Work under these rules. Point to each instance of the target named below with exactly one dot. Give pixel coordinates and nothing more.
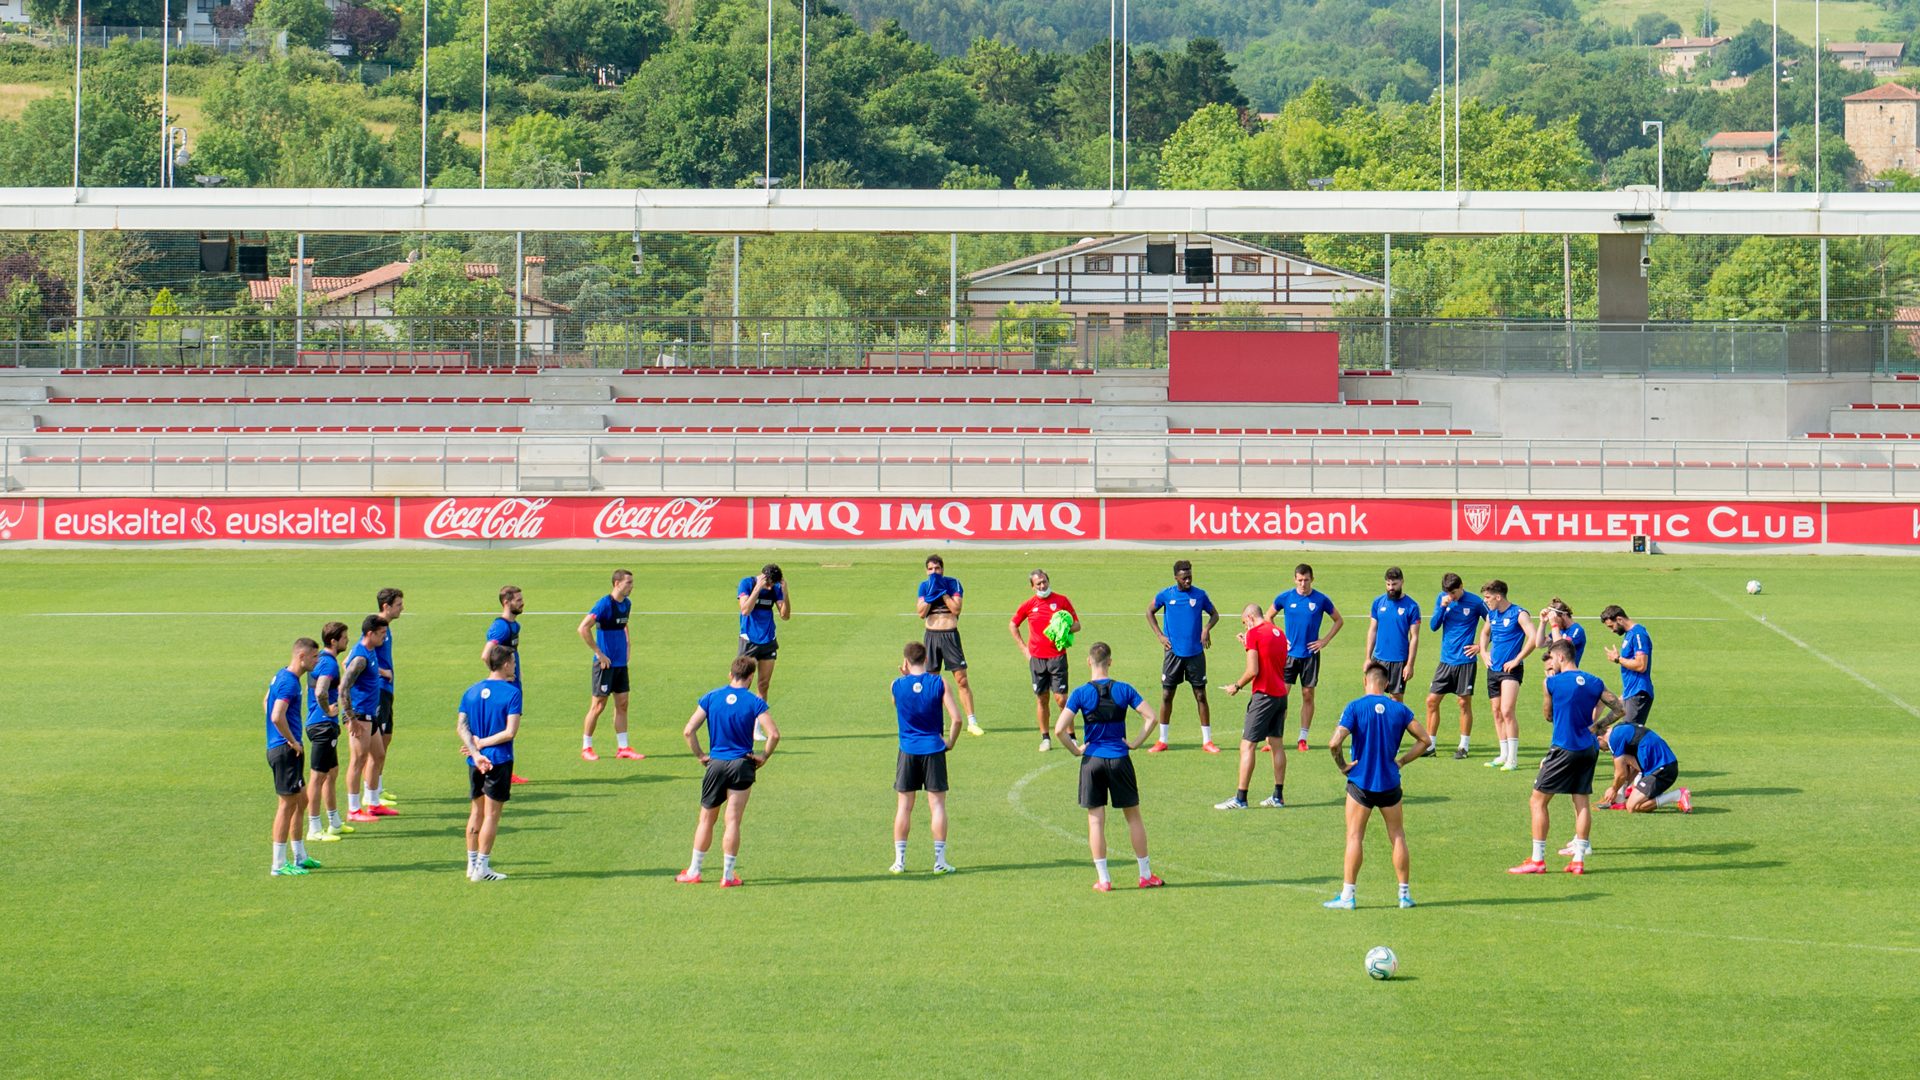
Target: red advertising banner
(19, 519)
(1873, 523)
(926, 519)
(1279, 520)
(290, 518)
(1596, 520)
(621, 517)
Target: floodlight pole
(425, 7)
(1126, 63)
(1819, 54)
(1773, 152)
(79, 19)
(1456, 93)
(766, 173)
(803, 93)
(1113, 18)
(1441, 82)
(166, 135)
(486, 45)
(1660, 157)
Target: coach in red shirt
(1267, 713)
(1044, 659)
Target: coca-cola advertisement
(19, 519)
(1873, 523)
(530, 517)
(926, 519)
(276, 519)
(1279, 520)
(1599, 520)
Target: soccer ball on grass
(1753, 587)
(1381, 963)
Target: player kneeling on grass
(918, 698)
(731, 713)
(1106, 770)
(1376, 723)
(282, 706)
(489, 719)
(1644, 771)
(1575, 702)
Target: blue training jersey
(507, 632)
(610, 628)
(385, 655)
(731, 711)
(1104, 723)
(1186, 612)
(935, 589)
(1377, 724)
(1300, 618)
(327, 668)
(363, 693)
(1395, 620)
(757, 624)
(1652, 753)
(1636, 643)
(1506, 638)
(284, 686)
(1576, 636)
(917, 705)
(486, 705)
(1458, 624)
(1574, 694)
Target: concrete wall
(1630, 407)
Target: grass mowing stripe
(1815, 653)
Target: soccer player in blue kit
(1393, 635)
(1106, 768)
(762, 597)
(937, 604)
(282, 707)
(731, 713)
(1556, 624)
(361, 678)
(1186, 640)
(1644, 771)
(1506, 638)
(488, 720)
(1456, 614)
(388, 604)
(1299, 611)
(605, 631)
(323, 732)
(1635, 659)
(1377, 724)
(919, 697)
(1575, 701)
(505, 632)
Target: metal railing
(1079, 342)
(720, 464)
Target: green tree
(1776, 279)
(1208, 152)
(307, 22)
(119, 145)
(538, 150)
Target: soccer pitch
(1768, 933)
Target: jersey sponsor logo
(733, 699)
(1579, 680)
(1379, 710)
(674, 519)
(916, 688)
(485, 694)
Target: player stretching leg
(919, 696)
(1186, 642)
(605, 631)
(323, 731)
(732, 713)
(1106, 770)
(1267, 711)
(1506, 638)
(1051, 623)
(362, 680)
(1377, 724)
(489, 718)
(504, 631)
(1456, 614)
(1575, 701)
(1644, 771)
(938, 606)
(1300, 610)
(282, 708)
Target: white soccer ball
(1753, 588)
(1381, 963)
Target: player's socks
(1464, 744)
(899, 857)
(1100, 867)
(299, 849)
(313, 824)
(620, 740)
(1303, 734)
(473, 864)
(1241, 795)
(1346, 890)
(279, 855)
(1206, 733)
(699, 860)
(353, 801)
(333, 820)
(1669, 797)
(727, 865)
(373, 796)
(939, 854)
(1165, 730)
(1539, 851)
(1343, 902)
(1146, 865)
(586, 742)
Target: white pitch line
(1019, 787)
(1810, 650)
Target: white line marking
(1810, 650)
(1014, 799)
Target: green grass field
(1769, 933)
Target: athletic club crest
(1478, 515)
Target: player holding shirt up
(1635, 658)
(361, 677)
(919, 697)
(1393, 635)
(1186, 641)
(1644, 771)
(1045, 660)
(604, 629)
(1506, 639)
(1267, 654)
(761, 598)
(504, 631)
(488, 720)
(1106, 770)
(1456, 614)
(733, 713)
(323, 732)
(1302, 608)
(1556, 624)
(1575, 701)
(1376, 723)
(282, 707)
(938, 606)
